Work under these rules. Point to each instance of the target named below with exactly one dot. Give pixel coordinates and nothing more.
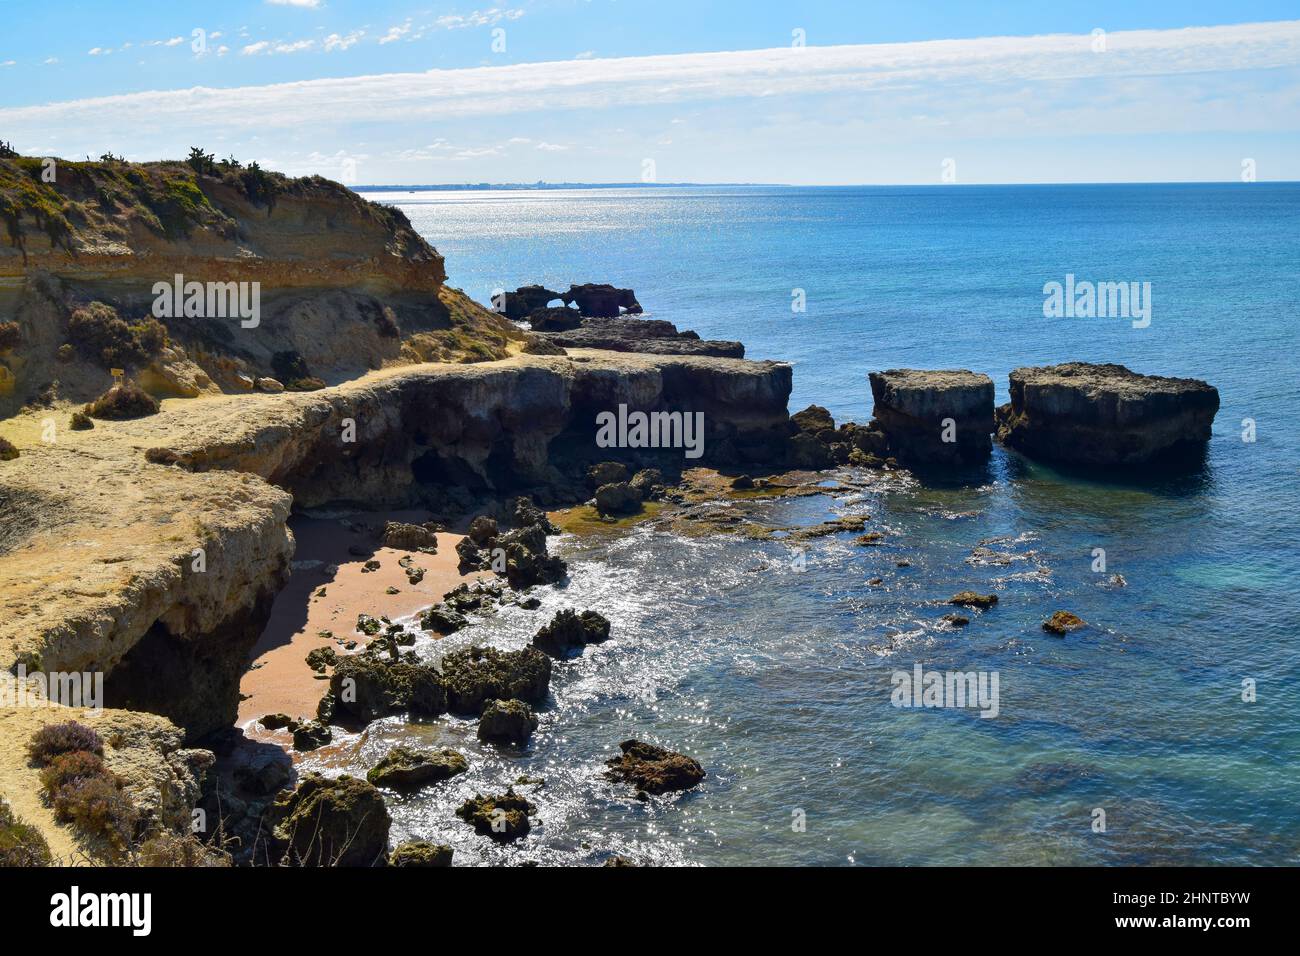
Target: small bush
(100, 335)
(99, 807)
(122, 402)
(54, 739)
(21, 844)
(172, 850)
(10, 336)
(7, 450)
(68, 768)
(80, 422)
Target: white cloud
(396, 33)
(309, 4)
(479, 18)
(551, 147)
(9, 63)
(995, 79)
(336, 41)
(270, 48)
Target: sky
(819, 93)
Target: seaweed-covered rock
(1062, 623)
(320, 658)
(650, 482)
(420, 853)
(324, 822)
(621, 498)
(404, 767)
(311, 736)
(973, 599)
(503, 816)
(367, 687)
(507, 721)
(653, 769)
(475, 675)
(570, 631)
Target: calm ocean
(778, 680)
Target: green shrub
(21, 844)
(100, 335)
(7, 450)
(54, 739)
(122, 402)
(67, 768)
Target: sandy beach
(319, 606)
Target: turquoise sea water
(778, 680)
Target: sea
(1166, 731)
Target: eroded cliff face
(340, 285)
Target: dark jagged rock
(507, 721)
(935, 417)
(1062, 623)
(973, 599)
(523, 550)
(650, 482)
(600, 301)
(1085, 414)
(411, 537)
(320, 658)
(339, 822)
(405, 767)
(525, 300)
(570, 631)
(654, 336)
(622, 498)
(607, 473)
(475, 675)
(554, 319)
(311, 736)
(956, 620)
(525, 512)
(368, 687)
(419, 853)
(442, 619)
(276, 721)
(653, 769)
(503, 817)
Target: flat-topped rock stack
(653, 336)
(1085, 414)
(935, 417)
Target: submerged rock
(653, 769)
(972, 599)
(324, 822)
(956, 620)
(503, 817)
(507, 721)
(404, 767)
(1062, 623)
(420, 853)
(475, 675)
(311, 736)
(442, 619)
(1087, 414)
(935, 417)
(569, 631)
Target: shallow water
(778, 679)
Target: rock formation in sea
(935, 417)
(1105, 415)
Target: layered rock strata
(935, 417)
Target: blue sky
(613, 90)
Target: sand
(279, 680)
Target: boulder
(367, 687)
(600, 301)
(502, 817)
(569, 631)
(420, 853)
(650, 482)
(507, 721)
(607, 473)
(324, 822)
(621, 498)
(940, 418)
(311, 736)
(1062, 623)
(558, 319)
(405, 767)
(442, 619)
(973, 599)
(475, 675)
(653, 769)
(411, 537)
(1105, 415)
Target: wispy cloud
(310, 4)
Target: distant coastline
(439, 187)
